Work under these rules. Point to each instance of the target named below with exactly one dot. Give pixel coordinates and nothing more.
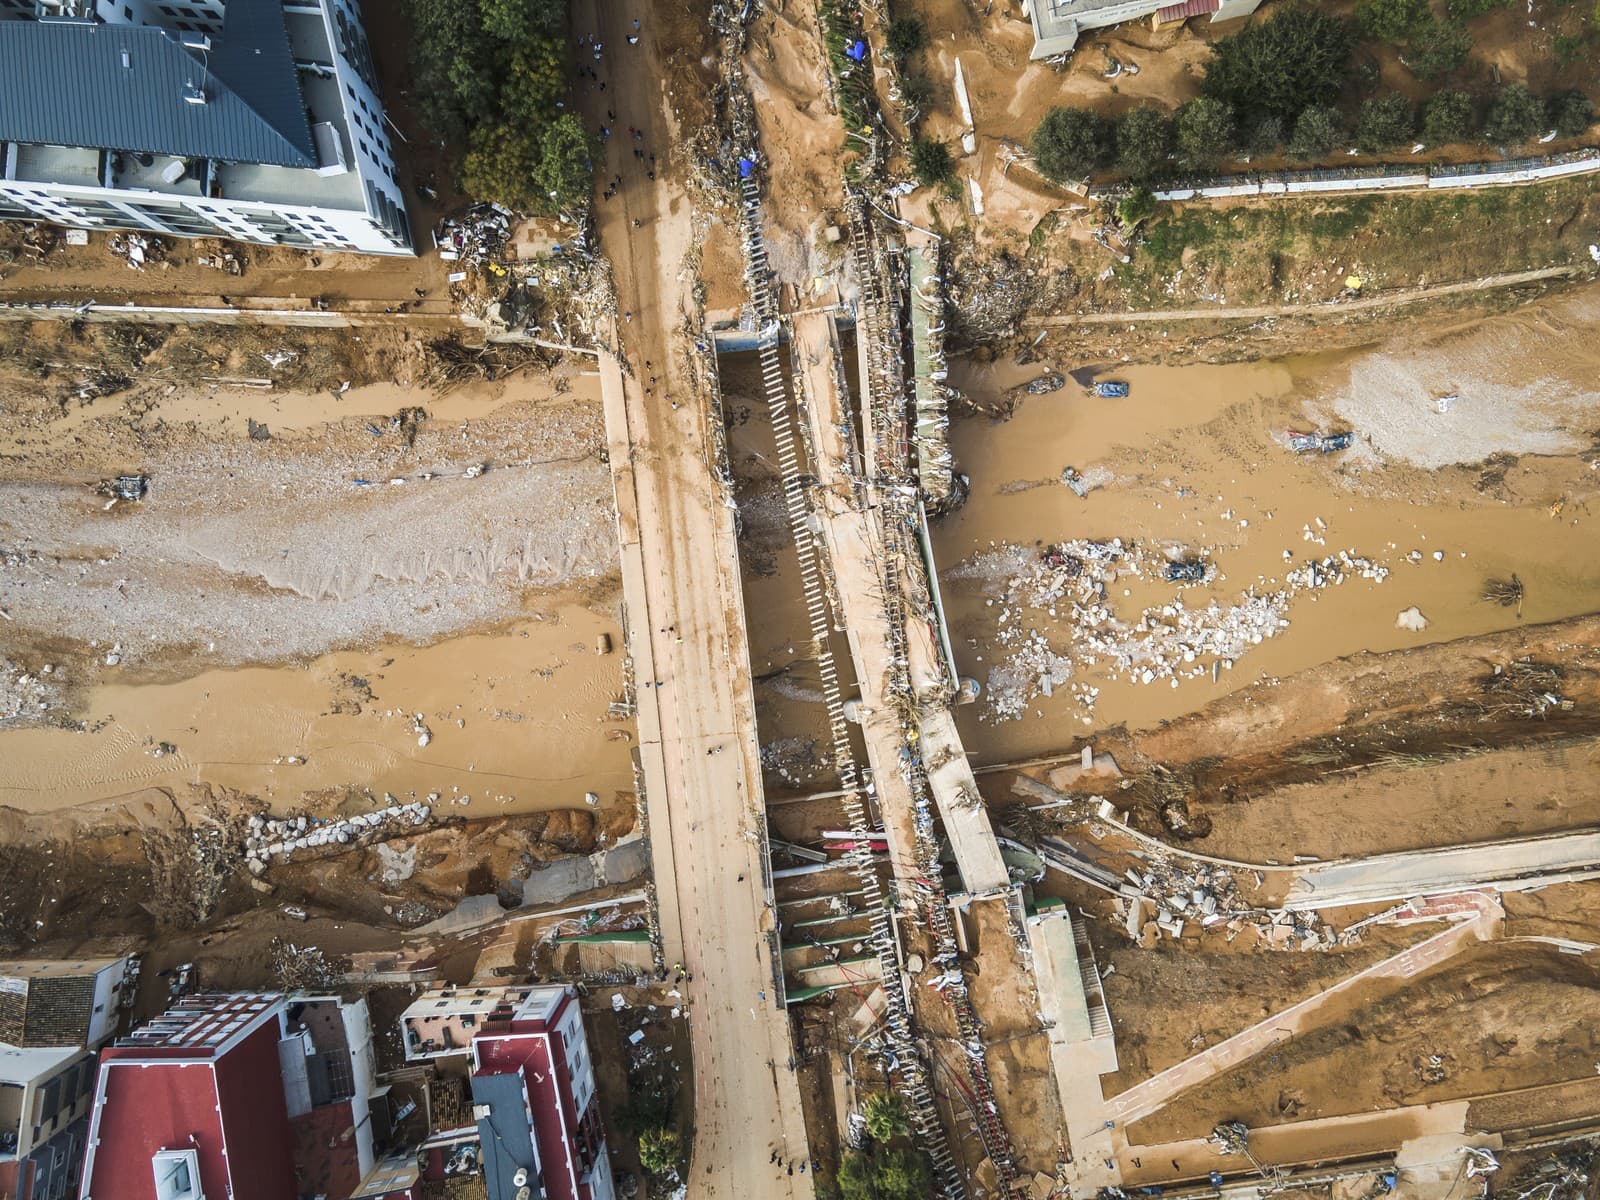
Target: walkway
(1327, 307)
(685, 629)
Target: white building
(250, 119)
(1057, 23)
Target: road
(686, 635)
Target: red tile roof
(229, 1108)
(325, 1151)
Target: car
(1111, 389)
(1185, 571)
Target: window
(177, 1175)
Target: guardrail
(1392, 177)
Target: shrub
(1069, 143)
(1144, 137)
(931, 162)
(1204, 132)
(905, 36)
(660, 1150)
(1514, 117)
(1278, 67)
(1446, 118)
(885, 1115)
(1391, 20)
(1438, 48)
(1384, 122)
(1138, 205)
(1316, 131)
(1571, 112)
(916, 91)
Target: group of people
(641, 152)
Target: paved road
(686, 634)
(1505, 865)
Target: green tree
(565, 174)
(1437, 48)
(1278, 67)
(1138, 205)
(1514, 117)
(1144, 137)
(1447, 117)
(1391, 20)
(500, 165)
(905, 36)
(1204, 132)
(931, 162)
(1264, 135)
(1571, 112)
(885, 1115)
(879, 1172)
(1384, 122)
(1465, 10)
(1316, 132)
(1069, 143)
(660, 1150)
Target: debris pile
(1072, 581)
(23, 693)
(268, 838)
(1168, 895)
(477, 237)
(136, 249)
(303, 968)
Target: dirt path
(1256, 312)
(686, 633)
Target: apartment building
(536, 1129)
(250, 119)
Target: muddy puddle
(515, 720)
(1194, 466)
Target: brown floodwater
(516, 721)
(1195, 459)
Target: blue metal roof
(121, 87)
(505, 1135)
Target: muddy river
(1472, 460)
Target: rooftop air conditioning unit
(193, 93)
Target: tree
(905, 36)
(880, 1172)
(1138, 205)
(501, 164)
(1144, 137)
(565, 174)
(1391, 20)
(1447, 117)
(1571, 112)
(1204, 132)
(1281, 66)
(1069, 143)
(660, 1150)
(1437, 48)
(1384, 122)
(1514, 117)
(886, 1118)
(1316, 132)
(931, 162)
(1465, 10)
(1264, 135)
